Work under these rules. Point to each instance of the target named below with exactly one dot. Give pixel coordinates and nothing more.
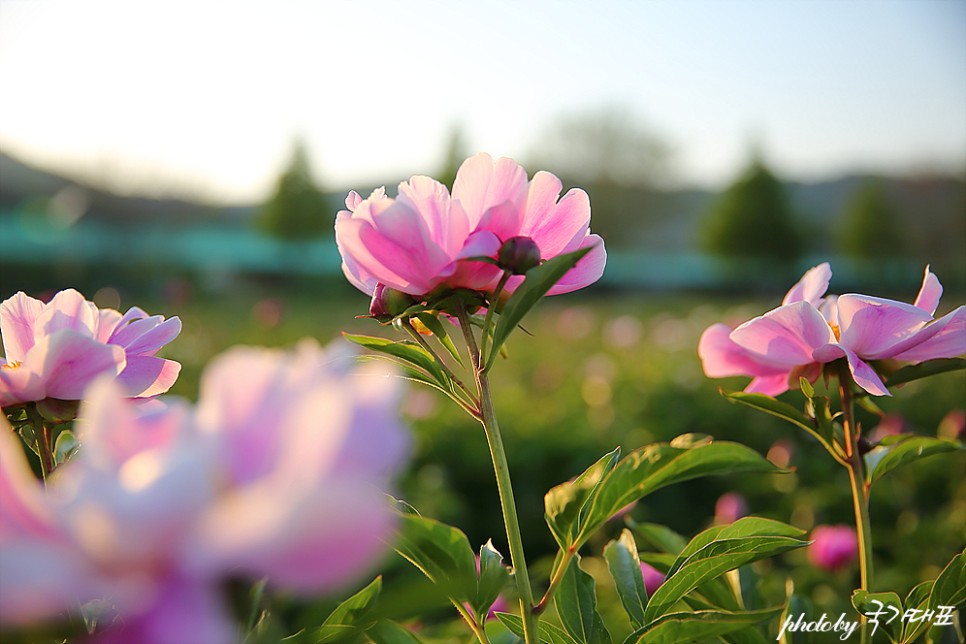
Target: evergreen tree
(752, 219)
(453, 156)
(870, 226)
(297, 210)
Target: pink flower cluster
(56, 350)
(811, 329)
(277, 472)
(427, 238)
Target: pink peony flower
(426, 238)
(653, 578)
(833, 547)
(498, 198)
(730, 507)
(276, 473)
(308, 446)
(414, 243)
(55, 350)
(810, 330)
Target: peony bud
(387, 303)
(518, 255)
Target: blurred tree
(752, 219)
(297, 209)
(454, 154)
(604, 146)
(870, 226)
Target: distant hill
(932, 209)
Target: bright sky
(206, 96)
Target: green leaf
(549, 633)
(441, 552)
(918, 598)
(535, 285)
(881, 608)
(433, 324)
(352, 616)
(698, 626)
(658, 465)
(493, 578)
(409, 352)
(563, 503)
(950, 586)
(625, 568)
(576, 603)
(65, 447)
(908, 450)
(788, 413)
(925, 369)
(389, 632)
(661, 537)
(744, 541)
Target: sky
(206, 98)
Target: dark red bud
(518, 255)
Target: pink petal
(363, 252)
(873, 327)
(146, 376)
(786, 336)
(19, 385)
(67, 361)
(587, 271)
(503, 220)
(431, 200)
(68, 310)
(811, 287)
(481, 183)
(107, 321)
(722, 358)
(352, 200)
(146, 336)
(18, 314)
(929, 293)
(769, 385)
(554, 224)
(864, 375)
(944, 338)
(476, 275)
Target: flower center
(11, 365)
(836, 332)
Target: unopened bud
(518, 255)
(387, 302)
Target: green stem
(502, 471)
(555, 580)
(475, 626)
(41, 440)
(487, 321)
(471, 405)
(860, 490)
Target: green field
(606, 370)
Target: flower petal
(811, 287)
(587, 271)
(67, 310)
(146, 376)
(944, 338)
(146, 336)
(785, 337)
(929, 293)
(863, 374)
(70, 361)
(482, 182)
(874, 327)
(554, 224)
(18, 315)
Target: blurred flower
(809, 330)
(889, 425)
(833, 547)
(57, 349)
(653, 578)
(276, 473)
(953, 425)
(730, 507)
(308, 446)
